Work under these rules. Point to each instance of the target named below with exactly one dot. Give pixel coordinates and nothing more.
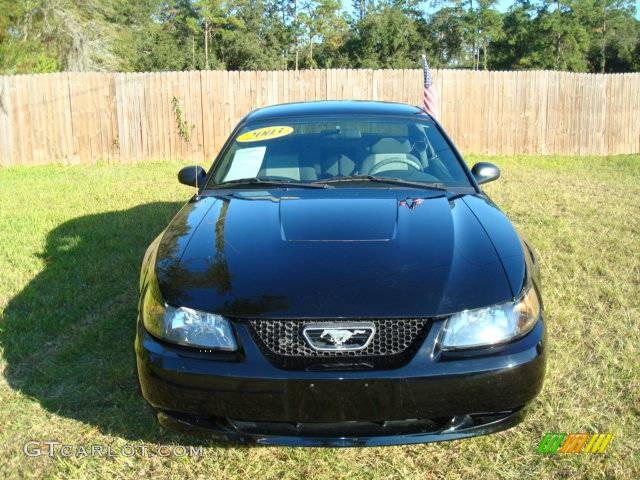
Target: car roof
(332, 107)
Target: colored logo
(266, 133)
(411, 203)
(574, 443)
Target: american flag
(429, 94)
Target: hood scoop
(339, 220)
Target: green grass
(71, 241)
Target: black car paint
(291, 253)
(330, 254)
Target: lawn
(71, 241)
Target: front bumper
(436, 396)
(341, 434)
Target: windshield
(321, 149)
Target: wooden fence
(88, 117)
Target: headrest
(391, 145)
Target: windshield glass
(317, 149)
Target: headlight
(186, 326)
(492, 325)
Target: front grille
(393, 344)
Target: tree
(563, 40)
(474, 25)
(515, 47)
(386, 38)
(325, 28)
(73, 36)
(489, 29)
(611, 27)
(19, 51)
(445, 32)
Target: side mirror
(193, 176)
(485, 172)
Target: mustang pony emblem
(338, 336)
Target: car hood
(343, 252)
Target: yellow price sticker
(265, 133)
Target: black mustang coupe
(340, 279)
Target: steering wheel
(399, 159)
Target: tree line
(152, 35)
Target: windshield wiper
(267, 183)
(389, 180)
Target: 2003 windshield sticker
(265, 133)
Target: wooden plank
(65, 103)
(600, 84)
(223, 105)
(181, 92)
(50, 126)
(551, 121)
(105, 107)
(96, 106)
(122, 119)
(132, 109)
(541, 131)
(167, 123)
(568, 109)
(193, 105)
(446, 95)
(38, 111)
(149, 118)
(174, 136)
(634, 121)
(166, 117)
(633, 113)
(489, 113)
(208, 138)
(480, 113)
(310, 85)
(6, 125)
(320, 79)
(154, 108)
(244, 102)
(217, 108)
(623, 115)
(23, 122)
(581, 121)
(111, 118)
(83, 116)
(15, 102)
(341, 84)
(331, 90)
(449, 103)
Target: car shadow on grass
(68, 335)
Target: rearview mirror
(193, 176)
(485, 172)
